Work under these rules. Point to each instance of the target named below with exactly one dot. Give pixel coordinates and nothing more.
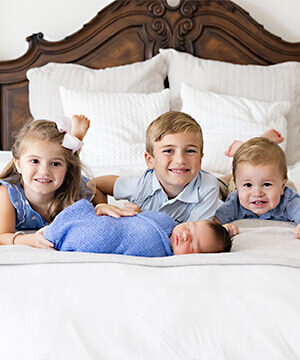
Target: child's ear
(283, 186)
(149, 160)
(17, 165)
(201, 157)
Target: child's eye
(56, 163)
(34, 161)
(267, 184)
(191, 151)
(168, 151)
(247, 185)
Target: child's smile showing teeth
(177, 160)
(44, 181)
(179, 171)
(259, 187)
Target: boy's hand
(232, 229)
(114, 211)
(133, 207)
(297, 231)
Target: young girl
(42, 179)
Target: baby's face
(193, 237)
(259, 186)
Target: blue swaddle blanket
(78, 228)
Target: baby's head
(260, 174)
(174, 146)
(203, 236)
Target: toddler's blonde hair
(260, 151)
(171, 122)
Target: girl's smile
(43, 168)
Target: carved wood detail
(127, 31)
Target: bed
(137, 59)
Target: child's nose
(186, 236)
(258, 191)
(180, 157)
(44, 168)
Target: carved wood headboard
(127, 31)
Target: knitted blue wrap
(78, 228)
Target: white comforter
(242, 305)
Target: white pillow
(44, 82)
(279, 82)
(116, 138)
(225, 118)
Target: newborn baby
(149, 234)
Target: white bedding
(118, 308)
(240, 305)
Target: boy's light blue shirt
(288, 209)
(198, 200)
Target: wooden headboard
(127, 31)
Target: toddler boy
(260, 175)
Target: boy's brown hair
(171, 122)
(260, 151)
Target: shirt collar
(188, 195)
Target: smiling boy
(174, 182)
(260, 175)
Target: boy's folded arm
(207, 207)
(99, 198)
(105, 184)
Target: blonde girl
(42, 179)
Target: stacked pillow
(120, 102)
(229, 101)
(280, 82)
(224, 118)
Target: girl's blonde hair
(72, 187)
(171, 122)
(260, 151)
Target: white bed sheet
(239, 305)
(117, 311)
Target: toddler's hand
(297, 231)
(232, 229)
(133, 207)
(114, 211)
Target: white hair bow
(64, 125)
